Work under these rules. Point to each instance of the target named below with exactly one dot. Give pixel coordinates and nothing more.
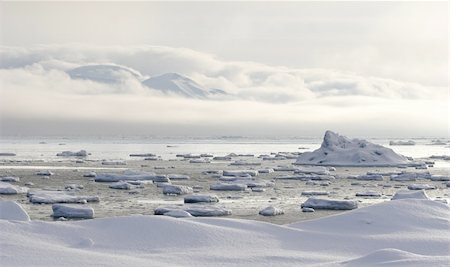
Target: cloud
(269, 99)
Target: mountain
(104, 73)
(173, 83)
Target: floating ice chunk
(73, 186)
(404, 177)
(144, 155)
(383, 173)
(337, 150)
(330, 204)
(244, 163)
(206, 155)
(440, 178)
(9, 189)
(200, 199)
(178, 214)
(421, 187)
(228, 187)
(258, 189)
(51, 197)
(403, 194)
(90, 175)
(81, 153)
(312, 170)
(402, 143)
(241, 173)
(9, 179)
(115, 177)
(197, 211)
(10, 210)
(284, 169)
(178, 177)
(274, 158)
(116, 162)
(271, 211)
(120, 185)
(7, 154)
(222, 158)
(72, 211)
(368, 194)
(315, 193)
(202, 160)
(306, 177)
(308, 209)
(265, 170)
(177, 190)
(45, 173)
(370, 177)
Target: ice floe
(81, 153)
(271, 211)
(421, 187)
(228, 187)
(11, 210)
(72, 211)
(330, 204)
(9, 189)
(51, 197)
(200, 199)
(177, 190)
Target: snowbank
(10, 210)
(337, 150)
(409, 232)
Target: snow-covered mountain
(104, 73)
(174, 83)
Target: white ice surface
(408, 232)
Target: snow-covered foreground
(404, 232)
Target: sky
(292, 68)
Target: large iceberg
(338, 150)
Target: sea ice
(177, 190)
(421, 187)
(228, 187)
(404, 194)
(200, 199)
(271, 211)
(51, 197)
(123, 185)
(330, 204)
(81, 153)
(240, 173)
(9, 189)
(72, 211)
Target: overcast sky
(406, 42)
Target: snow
(200, 198)
(337, 150)
(81, 153)
(407, 232)
(9, 189)
(271, 211)
(173, 83)
(403, 194)
(330, 204)
(103, 73)
(72, 211)
(178, 214)
(10, 210)
(196, 210)
(228, 187)
(177, 190)
(51, 197)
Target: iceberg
(337, 150)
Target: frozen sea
(33, 154)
